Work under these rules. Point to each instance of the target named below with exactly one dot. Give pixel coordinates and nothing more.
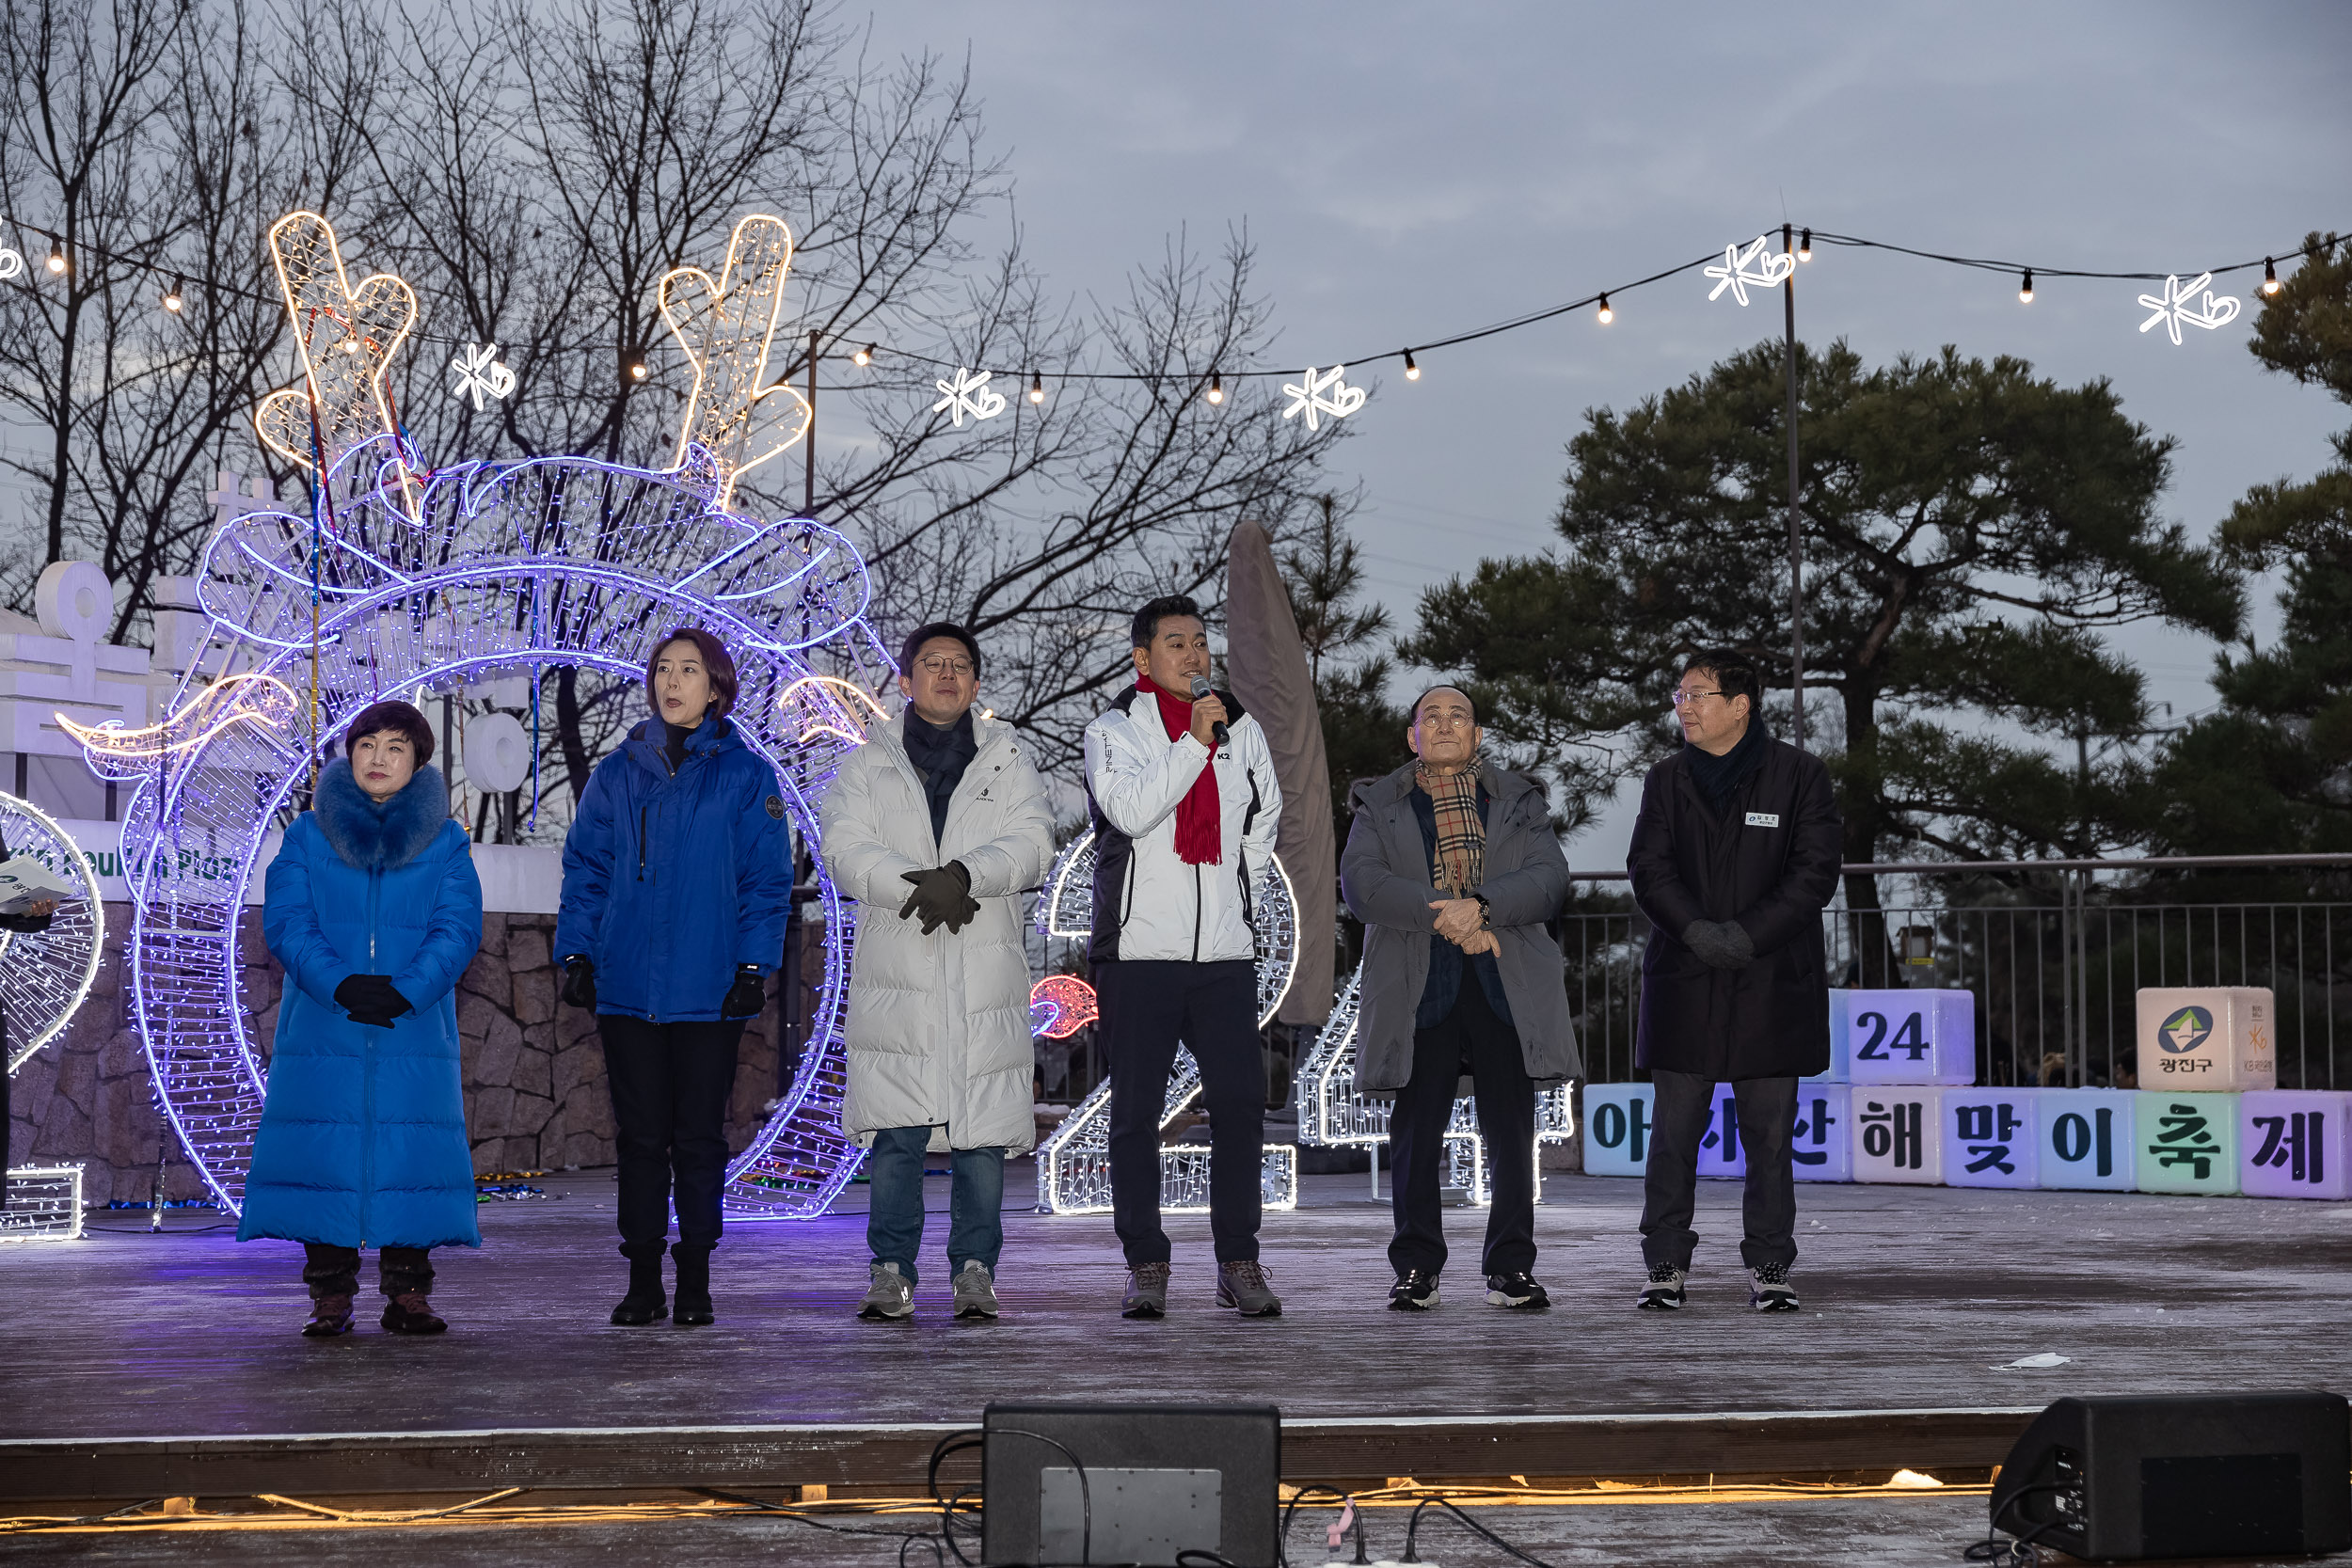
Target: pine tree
(1362, 733)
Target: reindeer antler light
(735, 421)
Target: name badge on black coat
(1763, 819)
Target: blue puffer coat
(363, 1133)
(673, 880)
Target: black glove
(372, 1000)
(579, 981)
(942, 896)
(1724, 944)
(747, 995)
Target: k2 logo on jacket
(775, 807)
(1763, 819)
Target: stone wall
(535, 1094)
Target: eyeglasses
(939, 664)
(1684, 699)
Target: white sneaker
(889, 1295)
(1663, 1292)
(976, 1290)
(1770, 1289)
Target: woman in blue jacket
(374, 909)
(677, 879)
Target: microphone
(1201, 689)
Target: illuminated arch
(476, 570)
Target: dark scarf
(940, 757)
(1719, 777)
(370, 837)
(1200, 826)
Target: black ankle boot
(644, 1302)
(693, 1285)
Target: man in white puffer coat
(938, 826)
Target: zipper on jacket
(640, 844)
(1198, 896)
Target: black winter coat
(1770, 863)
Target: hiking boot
(689, 1297)
(1517, 1290)
(1147, 1292)
(1769, 1290)
(1242, 1287)
(410, 1313)
(1415, 1291)
(976, 1290)
(645, 1302)
(1663, 1293)
(889, 1295)
(329, 1317)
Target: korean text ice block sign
(1910, 1036)
(1821, 1149)
(2186, 1143)
(1616, 1129)
(2085, 1139)
(1721, 1151)
(2292, 1143)
(2215, 1038)
(1989, 1139)
(1897, 1134)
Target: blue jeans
(894, 1216)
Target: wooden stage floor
(139, 1364)
(1914, 1298)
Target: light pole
(1796, 534)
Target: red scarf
(1199, 838)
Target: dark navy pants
(1768, 1119)
(1148, 1007)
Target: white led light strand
(1751, 266)
(2180, 303)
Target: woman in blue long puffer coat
(374, 909)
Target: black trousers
(1147, 1006)
(1471, 1039)
(671, 1083)
(1768, 1119)
(334, 1271)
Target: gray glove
(1720, 944)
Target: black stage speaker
(2208, 1475)
(1158, 1479)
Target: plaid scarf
(1459, 861)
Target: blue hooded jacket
(364, 1130)
(671, 881)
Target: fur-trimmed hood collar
(370, 837)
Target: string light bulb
(2025, 287)
(57, 255)
(1805, 246)
(351, 343)
(1036, 387)
(1605, 313)
(1216, 387)
(172, 301)
(635, 367)
(2270, 275)
(866, 354)
(1412, 372)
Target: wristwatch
(1485, 913)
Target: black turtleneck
(676, 748)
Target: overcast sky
(1408, 171)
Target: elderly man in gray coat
(1454, 868)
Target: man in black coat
(1735, 855)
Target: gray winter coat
(1384, 875)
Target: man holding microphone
(1181, 792)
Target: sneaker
(1663, 1293)
(1518, 1291)
(1415, 1291)
(1770, 1291)
(976, 1290)
(410, 1313)
(329, 1316)
(1243, 1287)
(889, 1295)
(1147, 1292)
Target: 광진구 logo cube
(2207, 1038)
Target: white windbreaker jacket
(939, 1024)
(1147, 904)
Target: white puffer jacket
(939, 1024)
(1147, 904)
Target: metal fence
(2055, 967)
